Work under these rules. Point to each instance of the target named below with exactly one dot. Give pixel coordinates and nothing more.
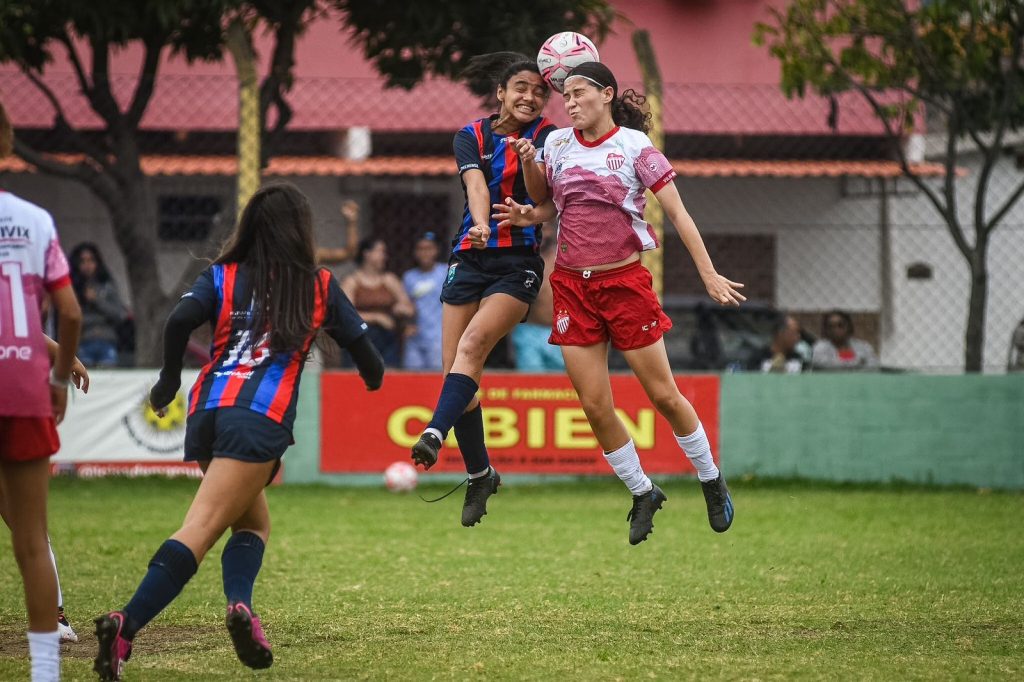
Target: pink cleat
(115, 650)
(251, 644)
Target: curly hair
(485, 72)
(628, 110)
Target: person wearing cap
(423, 284)
(595, 174)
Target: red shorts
(23, 439)
(618, 305)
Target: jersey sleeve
(652, 168)
(57, 275)
(342, 323)
(542, 137)
(204, 292)
(467, 151)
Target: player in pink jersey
(596, 173)
(33, 400)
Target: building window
(187, 217)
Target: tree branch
(83, 172)
(83, 82)
(1005, 208)
(102, 98)
(949, 186)
(146, 84)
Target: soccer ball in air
(560, 53)
(400, 477)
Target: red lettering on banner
(533, 423)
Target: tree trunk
(134, 222)
(974, 341)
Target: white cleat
(67, 633)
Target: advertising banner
(112, 430)
(533, 423)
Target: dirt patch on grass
(152, 640)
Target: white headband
(580, 75)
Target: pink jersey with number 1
(31, 264)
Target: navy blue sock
(171, 567)
(456, 393)
(240, 563)
(469, 430)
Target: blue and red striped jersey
(243, 371)
(477, 147)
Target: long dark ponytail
(485, 72)
(274, 241)
(627, 108)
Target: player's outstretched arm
(511, 213)
(721, 289)
(533, 172)
(186, 316)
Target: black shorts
(234, 432)
(475, 274)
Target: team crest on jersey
(562, 322)
(614, 161)
(451, 274)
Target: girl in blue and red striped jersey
(266, 300)
(494, 273)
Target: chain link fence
(803, 201)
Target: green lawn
(811, 582)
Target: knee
(599, 409)
(668, 402)
(475, 344)
(29, 549)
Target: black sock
(469, 430)
(171, 567)
(456, 393)
(240, 564)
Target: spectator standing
(102, 309)
(423, 285)
(379, 298)
(838, 349)
(530, 339)
(328, 255)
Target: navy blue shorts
(475, 274)
(234, 432)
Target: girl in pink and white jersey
(33, 400)
(596, 173)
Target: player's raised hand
(512, 213)
(478, 236)
(525, 149)
(723, 290)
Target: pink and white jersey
(31, 264)
(598, 188)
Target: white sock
(698, 449)
(438, 434)
(626, 464)
(480, 474)
(53, 560)
(44, 648)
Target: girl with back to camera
(597, 172)
(266, 299)
(494, 272)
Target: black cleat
(477, 492)
(641, 516)
(720, 510)
(425, 450)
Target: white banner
(113, 424)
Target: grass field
(811, 582)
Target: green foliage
(962, 57)
(810, 583)
(435, 38)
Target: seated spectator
(423, 285)
(530, 339)
(379, 297)
(837, 349)
(782, 356)
(328, 255)
(103, 313)
(1015, 361)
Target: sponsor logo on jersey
(614, 161)
(13, 232)
(562, 322)
(15, 352)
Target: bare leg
(497, 315)
(651, 367)
(587, 367)
(25, 487)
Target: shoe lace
(638, 509)
(438, 499)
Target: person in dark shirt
(266, 300)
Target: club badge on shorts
(614, 161)
(562, 322)
(451, 274)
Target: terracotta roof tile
(443, 165)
